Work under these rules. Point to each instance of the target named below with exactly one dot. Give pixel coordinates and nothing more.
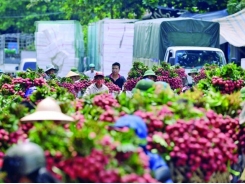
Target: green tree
(89, 11)
(191, 5)
(234, 6)
(20, 15)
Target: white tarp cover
(232, 28)
(111, 41)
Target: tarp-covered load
(110, 41)
(206, 16)
(232, 28)
(153, 37)
(59, 43)
(210, 16)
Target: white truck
(184, 41)
(194, 57)
(27, 60)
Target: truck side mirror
(172, 61)
(234, 60)
(16, 68)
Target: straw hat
(48, 109)
(164, 85)
(72, 74)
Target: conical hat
(48, 109)
(72, 74)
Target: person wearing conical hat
(73, 76)
(149, 74)
(162, 86)
(91, 73)
(47, 110)
(50, 70)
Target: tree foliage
(234, 6)
(191, 5)
(20, 15)
(88, 11)
(93, 10)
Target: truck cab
(194, 57)
(27, 63)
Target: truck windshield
(198, 58)
(30, 65)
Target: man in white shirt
(91, 72)
(98, 86)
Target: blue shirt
(119, 82)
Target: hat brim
(150, 75)
(193, 73)
(98, 76)
(73, 76)
(47, 115)
(52, 68)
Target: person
(115, 77)
(163, 85)
(50, 70)
(73, 69)
(157, 165)
(193, 73)
(98, 86)
(48, 110)
(184, 89)
(25, 163)
(242, 91)
(29, 91)
(28, 104)
(149, 74)
(143, 85)
(73, 76)
(91, 72)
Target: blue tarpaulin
(206, 16)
